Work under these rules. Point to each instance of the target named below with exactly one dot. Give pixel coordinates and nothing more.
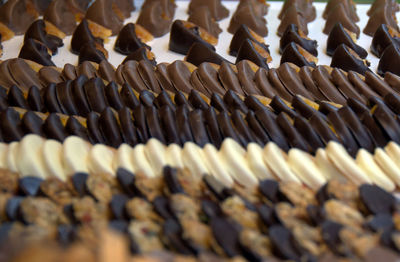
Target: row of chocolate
(179, 216)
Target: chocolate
(164, 99)
(377, 84)
(278, 85)
(385, 119)
(262, 82)
(293, 34)
(12, 208)
(183, 127)
(106, 71)
(197, 84)
(348, 60)
(246, 78)
(128, 41)
(339, 15)
(41, 5)
(79, 95)
(247, 15)
(378, 3)
(180, 74)
(139, 118)
(297, 55)
(392, 100)
(53, 128)
(384, 36)
(167, 5)
(128, 96)
(89, 52)
(283, 243)
(324, 131)
(360, 85)
(16, 98)
(293, 136)
(266, 120)
(240, 36)
(280, 106)
(155, 19)
(291, 80)
(38, 32)
(168, 125)
(209, 77)
(196, 100)
(65, 98)
(69, 72)
(393, 80)
(307, 131)
(200, 53)
(217, 102)
(141, 54)
(343, 132)
(382, 15)
(109, 128)
(338, 36)
(348, 5)
(342, 83)
(228, 78)
(61, 16)
(198, 128)
(81, 36)
(183, 35)
(305, 7)
(31, 123)
(101, 12)
(35, 51)
(75, 128)
(94, 90)
(376, 200)
(30, 186)
(227, 129)
(17, 15)
(23, 74)
(389, 60)
(49, 74)
(146, 72)
(202, 17)
(125, 7)
(292, 16)
(217, 10)
(35, 100)
(163, 78)
(255, 53)
(50, 99)
(128, 129)
(233, 101)
(131, 75)
(211, 124)
(146, 98)
(92, 123)
(381, 222)
(326, 87)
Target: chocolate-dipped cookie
(339, 78)
(180, 74)
(128, 40)
(11, 125)
(92, 124)
(217, 10)
(17, 15)
(106, 71)
(16, 98)
(200, 53)
(38, 32)
(202, 17)
(75, 128)
(246, 73)
(389, 60)
(294, 34)
(146, 72)
(36, 51)
(101, 12)
(339, 35)
(297, 55)
(343, 132)
(182, 122)
(79, 95)
(128, 96)
(305, 74)
(383, 37)
(198, 128)
(155, 19)
(280, 106)
(339, 15)
(61, 16)
(294, 138)
(50, 99)
(293, 16)
(184, 34)
(233, 101)
(209, 77)
(254, 52)
(307, 131)
(247, 15)
(346, 59)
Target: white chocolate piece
(276, 160)
(193, 160)
(140, 162)
(254, 157)
(388, 166)
(155, 153)
(3, 155)
(29, 157)
(393, 151)
(304, 167)
(53, 160)
(101, 160)
(173, 156)
(346, 164)
(123, 158)
(75, 153)
(215, 165)
(11, 158)
(234, 157)
(367, 163)
(327, 168)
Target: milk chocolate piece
(291, 80)
(128, 129)
(89, 52)
(346, 59)
(17, 15)
(202, 17)
(198, 85)
(183, 35)
(101, 12)
(342, 83)
(348, 5)
(23, 74)
(110, 129)
(92, 123)
(75, 128)
(209, 77)
(339, 15)
(292, 16)
(392, 100)
(278, 85)
(378, 3)
(228, 78)
(87, 69)
(81, 36)
(141, 54)
(246, 78)
(16, 98)
(305, 7)
(125, 7)
(217, 10)
(106, 71)
(382, 15)
(61, 16)
(180, 74)
(293, 34)
(53, 128)
(41, 5)
(357, 106)
(200, 53)
(167, 5)
(241, 34)
(255, 53)
(131, 75)
(31, 123)
(146, 72)
(183, 127)
(393, 80)
(155, 19)
(49, 74)
(69, 72)
(326, 87)
(128, 41)
(295, 54)
(390, 60)
(36, 51)
(94, 90)
(338, 36)
(38, 32)
(262, 82)
(163, 78)
(377, 84)
(384, 36)
(247, 15)
(305, 75)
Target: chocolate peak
(17, 15)
(36, 51)
(127, 41)
(390, 60)
(38, 32)
(292, 16)
(82, 36)
(202, 17)
(304, 6)
(155, 19)
(101, 12)
(339, 15)
(383, 37)
(293, 34)
(348, 60)
(217, 10)
(340, 35)
(60, 15)
(248, 16)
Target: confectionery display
(284, 146)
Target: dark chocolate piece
(113, 97)
(69, 72)
(131, 75)
(81, 36)
(293, 34)
(38, 32)
(392, 100)
(49, 74)
(346, 59)
(12, 208)
(59, 14)
(200, 53)
(155, 19)
(297, 55)
(339, 15)
(242, 128)
(89, 52)
(183, 35)
(233, 101)
(292, 16)
(23, 74)
(226, 235)
(331, 236)
(79, 183)
(241, 34)
(217, 10)
(196, 100)
(254, 52)
(128, 96)
(202, 17)
(338, 36)
(128, 129)
(183, 127)
(387, 122)
(180, 74)
(211, 124)
(50, 99)
(343, 132)
(280, 106)
(65, 98)
(163, 78)
(125, 7)
(277, 84)
(382, 15)
(390, 60)
(267, 121)
(53, 128)
(17, 16)
(11, 125)
(306, 8)
(76, 128)
(346, 88)
(164, 99)
(35, 99)
(217, 102)
(128, 41)
(110, 128)
(384, 36)
(117, 206)
(143, 53)
(79, 95)
(322, 128)
(309, 134)
(35, 51)
(247, 15)
(86, 68)
(168, 125)
(262, 82)
(376, 200)
(227, 129)
(381, 222)
(16, 98)
(377, 84)
(209, 77)
(127, 181)
(146, 72)
(92, 123)
(283, 243)
(94, 90)
(102, 13)
(167, 5)
(106, 71)
(139, 118)
(198, 128)
(293, 136)
(360, 85)
(146, 98)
